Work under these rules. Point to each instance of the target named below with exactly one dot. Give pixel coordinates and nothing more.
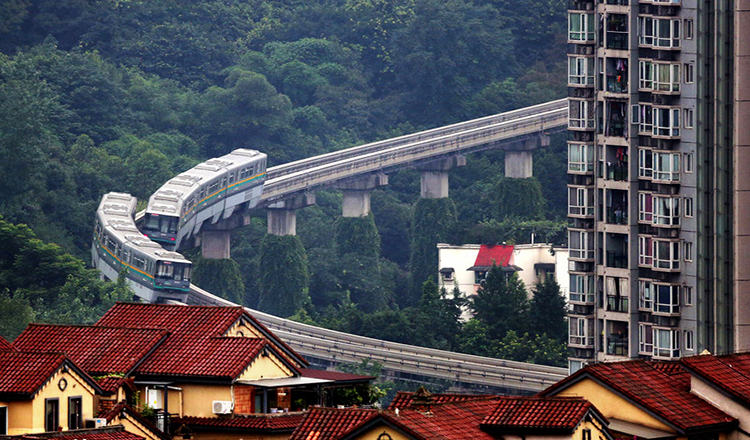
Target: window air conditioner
(222, 407)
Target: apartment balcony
(617, 260)
(617, 345)
(616, 2)
(617, 303)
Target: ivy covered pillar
(433, 221)
(356, 194)
(282, 215)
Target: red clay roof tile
(658, 387)
(97, 350)
(199, 321)
(539, 413)
(107, 433)
(260, 422)
(403, 398)
(331, 423)
(730, 373)
(5, 345)
(23, 373)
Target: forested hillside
(119, 95)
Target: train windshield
(176, 271)
(161, 223)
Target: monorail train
(155, 274)
(210, 190)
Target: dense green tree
(284, 279)
(548, 310)
(221, 277)
(438, 316)
(17, 314)
(501, 303)
(519, 198)
(536, 349)
(474, 338)
(358, 235)
(432, 222)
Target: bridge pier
(519, 153)
(434, 176)
(214, 239)
(282, 215)
(356, 194)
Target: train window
(231, 178)
(152, 222)
(111, 244)
(223, 182)
(213, 187)
(139, 262)
(164, 269)
(125, 255)
(185, 273)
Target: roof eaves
(381, 418)
(146, 355)
(716, 386)
(268, 334)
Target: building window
(666, 299)
(687, 292)
(688, 162)
(645, 163)
(582, 288)
(586, 434)
(666, 211)
(666, 343)
(645, 339)
(688, 202)
(688, 250)
(581, 114)
(666, 167)
(479, 276)
(666, 254)
(580, 158)
(660, 77)
(581, 27)
(666, 122)
(645, 207)
(689, 73)
(3, 420)
(659, 32)
(51, 414)
(580, 201)
(689, 29)
(581, 71)
(581, 244)
(689, 343)
(75, 412)
(645, 295)
(581, 331)
(645, 119)
(688, 117)
(645, 251)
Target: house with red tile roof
(647, 400)
(43, 392)
(724, 381)
(469, 417)
(202, 367)
(5, 345)
(105, 433)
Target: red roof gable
(494, 255)
(539, 413)
(331, 423)
(730, 373)
(5, 345)
(255, 422)
(23, 373)
(97, 350)
(449, 421)
(404, 398)
(661, 390)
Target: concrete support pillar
(518, 155)
(357, 194)
(282, 215)
(215, 244)
(434, 177)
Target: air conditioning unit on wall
(222, 407)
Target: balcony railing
(617, 40)
(617, 171)
(617, 216)
(617, 345)
(617, 259)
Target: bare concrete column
(434, 177)
(519, 156)
(357, 194)
(215, 244)
(282, 215)
(741, 179)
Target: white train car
(210, 191)
(155, 274)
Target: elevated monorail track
(467, 371)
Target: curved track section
(403, 360)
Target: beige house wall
(708, 393)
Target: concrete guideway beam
(519, 155)
(356, 194)
(215, 238)
(434, 176)
(282, 215)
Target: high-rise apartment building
(659, 178)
